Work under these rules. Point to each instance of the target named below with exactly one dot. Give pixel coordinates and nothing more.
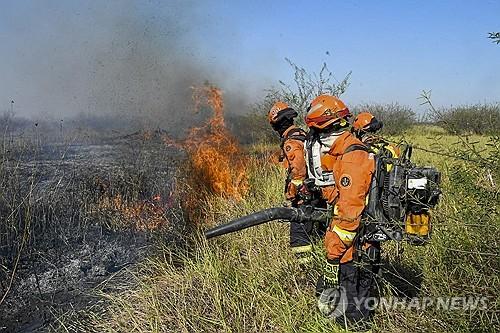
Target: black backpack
(398, 190)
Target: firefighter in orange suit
(342, 167)
(281, 117)
(365, 125)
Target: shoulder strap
(297, 134)
(357, 146)
(294, 134)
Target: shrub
(466, 119)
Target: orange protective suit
(292, 146)
(353, 170)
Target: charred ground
(75, 212)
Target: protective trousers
(356, 280)
(301, 237)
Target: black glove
(331, 273)
(330, 277)
(328, 291)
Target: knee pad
(332, 303)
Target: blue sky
(395, 49)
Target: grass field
(249, 282)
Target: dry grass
(248, 281)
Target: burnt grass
(75, 216)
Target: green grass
(249, 282)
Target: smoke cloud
(121, 58)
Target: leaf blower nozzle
(287, 214)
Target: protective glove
(331, 273)
(303, 194)
(330, 277)
(328, 291)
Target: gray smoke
(108, 58)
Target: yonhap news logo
(334, 302)
(454, 303)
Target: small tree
(298, 94)
(304, 88)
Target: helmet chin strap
(332, 135)
(335, 128)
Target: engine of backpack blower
(400, 199)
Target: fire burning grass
(215, 154)
(145, 215)
(216, 163)
(81, 218)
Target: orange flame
(215, 157)
(147, 215)
(213, 151)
